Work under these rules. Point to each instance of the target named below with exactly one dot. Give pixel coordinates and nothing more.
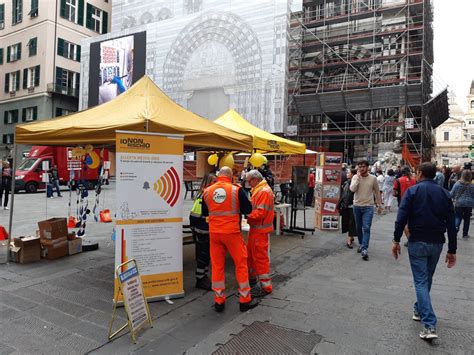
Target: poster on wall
(149, 170)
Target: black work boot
(204, 283)
(244, 307)
(219, 307)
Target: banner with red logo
(149, 222)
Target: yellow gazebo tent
(263, 142)
(144, 107)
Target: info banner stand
(132, 295)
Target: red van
(29, 172)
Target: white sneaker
(428, 334)
(5, 208)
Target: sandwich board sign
(133, 296)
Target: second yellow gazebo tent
(263, 142)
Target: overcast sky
(453, 45)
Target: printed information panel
(149, 173)
(133, 297)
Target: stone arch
(145, 18)
(128, 22)
(222, 27)
(238, 37)
(164, 14)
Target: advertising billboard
(117, 63)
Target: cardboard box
(71, 236)
(53, 228)
(3, 251)
(15, 254)
(30, 249)
(74, 246)
(54, 249)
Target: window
(1, 56)
(34, 8)
(69, 50)
(96, 19)
(73, 10)
(17, 11)
(8, 138)
(2, 16)
(13, 52)
(12, 81)
(10, 117)
(472, 104)
(31, 77)
(67, 82)
(446, 136)
(29, 114)
(63, 111)
(32, 45)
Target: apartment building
(40, 51)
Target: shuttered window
(32, 46)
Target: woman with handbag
(463, 197)
(345, 210)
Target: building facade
(40, 51)
(361, 78)
(456, 134)
(210, 55)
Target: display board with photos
(327, 190)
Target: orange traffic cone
(3, 233)
(72, 222)
(105, 216)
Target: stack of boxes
(327, 190)
(53, 233)
(26, 250)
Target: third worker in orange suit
(224, 203)
(261, 225)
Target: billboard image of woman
(116, 67)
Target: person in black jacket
(345, 210)
(5, 183)
(428, 210)
(200, 229)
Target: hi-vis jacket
(196, 219)
(224, 202)
(261, 218)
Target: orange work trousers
(258, 260)
(233, 243)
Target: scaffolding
(361, 77)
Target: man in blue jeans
(429, 212)
(365, 188)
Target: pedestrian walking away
(5, 183)
(400, 186)
(387, 190)
(345, 204)
(200, 229)
(365, 187)
(261, 225)
(463, 198)
(223, 203)
(428, 210)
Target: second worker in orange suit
(261, 225)
(224, 203)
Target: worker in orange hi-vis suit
(224, 203)
(261, 225)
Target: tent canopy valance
(144, 107)
(263, 142)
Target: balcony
(62, 90)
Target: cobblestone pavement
(64, 306)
